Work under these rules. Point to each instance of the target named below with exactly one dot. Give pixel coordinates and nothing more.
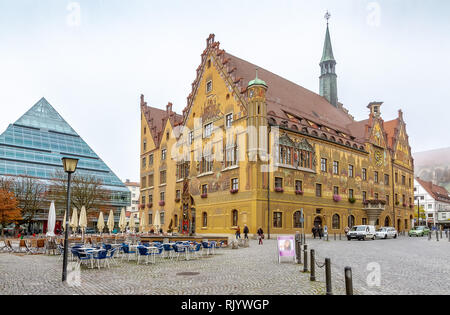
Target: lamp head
(70, 165)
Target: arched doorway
(351, 221)
(399, 225)
(318, 221)
(387, 221)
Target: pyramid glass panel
(35, 144)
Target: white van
(361, 232)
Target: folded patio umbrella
(157, 221)
(74, 219)
(83, 221)
(64, 221)
(132, 224)
(142, 223)
(51, 222)
(122, 221)
(101, 222)
(110, 223)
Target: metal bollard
(305, 258)
(340, 236)
(313, 266)
(299, 252)
(441, 234)
(348, 281)
(437, 236)
(429, 236)
(327, 237)
(334, 236)
(328, 276)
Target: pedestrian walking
(314, 231)
(320, 231)
(238, 232)
(260, 236)
(246, 231)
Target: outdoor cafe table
(90, 251)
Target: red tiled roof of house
(437, 192)
(390, 128)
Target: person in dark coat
(320, 230)
(314, 231)
(260, 235)
(246, 231)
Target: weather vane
(327, 16)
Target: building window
(350, 194)
(204, 219)
(234, 216)
(364, 174)
(335, 190)
(297, 219)
(336, 168)
(387, 200)
(228, 120)
(277, 220)
(410, 183)
(144, 162)
(231, 154)
(298, 185)
(191, 137)
(150, 218)
(208, 130)
(375, 178)
(144, 182)
(162, 196)
(323, 165)
(143, 200)
(235, 184)
(175, 219)
(145, 145)
(350, 171)
(351, 221)
(396, 178)
(207, 164)
(204, 189)
(145, 130)
(150, 198)
(163, 154)
(396, 199)
(209, 86)
(336, 222)
(364, 196)
(403, 180)
(162, 177)
(376, 196)
(150, 160)
(162, 217)
(318, 190)
(386, 179)
(150, 181)
(278, 183)
(178, 194)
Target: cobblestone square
(408, 266)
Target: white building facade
(133, 210)
(435, 201)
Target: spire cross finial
(327, 16)
(257, 73)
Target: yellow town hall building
(207, 172)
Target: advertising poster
(286, 247)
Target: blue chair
(196, 249)
(126, 250)
(102, 255)
(179, 250)
(207, 247)
(111, 255)
(143, 252)
(82, 257)
(107, 246)
(168, 251)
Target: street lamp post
(70, 166)
(418, 211)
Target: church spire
(328, 78)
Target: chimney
(169, 108)
(400, 114)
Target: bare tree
(86, 190)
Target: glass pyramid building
(34, 145)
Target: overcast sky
(92, 59)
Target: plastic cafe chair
(207, 247)
(159, 252)
(127, 252)
(61, 251)
(179, 250)
(196, 250)
(107, 246)
(82, 257)
(102, 255)
(168, 251)
(143, 252)
(111, 255)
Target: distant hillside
(433, 165)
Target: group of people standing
(246, 231)
(317, 231)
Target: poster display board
(286, 247)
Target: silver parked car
(386, 232)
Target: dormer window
(209, 86)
